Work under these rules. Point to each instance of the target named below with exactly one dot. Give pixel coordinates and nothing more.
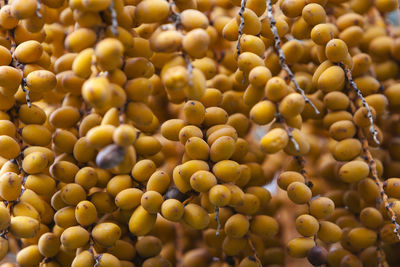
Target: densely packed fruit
(199, 133)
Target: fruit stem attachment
(93, 67)
(26, 91)
(175, 17)
(218, 221)
(253, 249)
(241, 26)
(44, 261)
(38, 5)
(353, 85)
(189, 67)
(97, 259)
(291, 138)
(380, 253)
(281, 119)
(121, 112)
(114, 21)
(3, 234)
(188, 200)
(282, 58)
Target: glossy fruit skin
(196, 216)
(275, 140)
(307, 225)
(299, 193)
(24, 227)
(202, 181)
(237, 226)
(85, 213)
(258, 222)
(329, 232)
(106, 234)
(172, 210)
(49, 245)
(141, 221)
(300, 246)
(321, 207)
(151, 201)
(74, 237)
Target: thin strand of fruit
(281, 119)
(352, 84)
(218, 221)
(18, 161)
(282, 59)
(380, 253)
(301, 161)
(384, 197)
(18, 65)
(175, 17)
(26, 91)
(93, 67)
(241, 26)
(38, 6)
(114, 21)
(375, 178)
(121, 112)
(371, 161)
(189, 67)
(92, 251)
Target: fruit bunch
(201, 133)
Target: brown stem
(188, 200)
(104, 218)
(253, 249)
(92, 249)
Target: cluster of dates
(199, 133)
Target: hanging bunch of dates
(207, 133)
